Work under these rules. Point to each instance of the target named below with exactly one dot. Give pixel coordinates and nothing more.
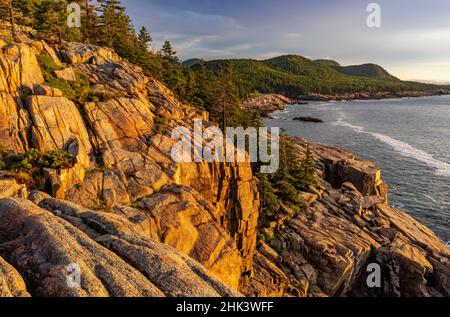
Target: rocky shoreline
(135, 223)
(266, 104)
(348, 225)
(372, 96)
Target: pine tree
(307, 173)
(288, 163)
(24, 11)
(269, 201)
(89, 21)
(51, 19)
(284, 180)
(168, 53)
(111, 14)
(144, 37)
(225, 103)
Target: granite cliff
(136, 223)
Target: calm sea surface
(408, 138)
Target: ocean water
(408, 138)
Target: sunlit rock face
(347, 225)
(122, 146)
(138, 223)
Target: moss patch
(79, 91)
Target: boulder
(172, 272)
(37, 196)
(19, 68)
(9, 188)
(100, 189)
(370, 201)
(11, 283)
(74, 53)
(51, 52)
(308, 197)
(267, 281)
(14, 123)
(108, 251)
(308, 119)
(67, 74)
(44, 90)
(46, 247)
(342, 166)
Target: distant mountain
(301, 66)
(366, 70)
(192, 62)
(294, 75)
(328, 62)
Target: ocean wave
(403, 148)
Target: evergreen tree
(289, 194)
(203, 90)
(288, 163)
(225, 102)
(307, 171)
(111, 15)
(269, 200)
(168, 53)
(50, 20)
(285, 179)
(23, 10)
(144, 37)
(89, 21)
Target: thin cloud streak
(415, 35)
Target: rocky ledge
(136, 223)
(308, 119)
(267, 103)
(347, 225)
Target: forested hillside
(364, 70)
(293, 76)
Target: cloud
(214, 19)
(413, 36)
(293, 34)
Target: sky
(412, 43)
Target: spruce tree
(168, 53)
(225, 103)
(23, 11)
(144, 37)
(307, 174)
(111, 13)
(269, 201)
(89, 21)
(51, 19)
(284, 180)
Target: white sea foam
(403, 148)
